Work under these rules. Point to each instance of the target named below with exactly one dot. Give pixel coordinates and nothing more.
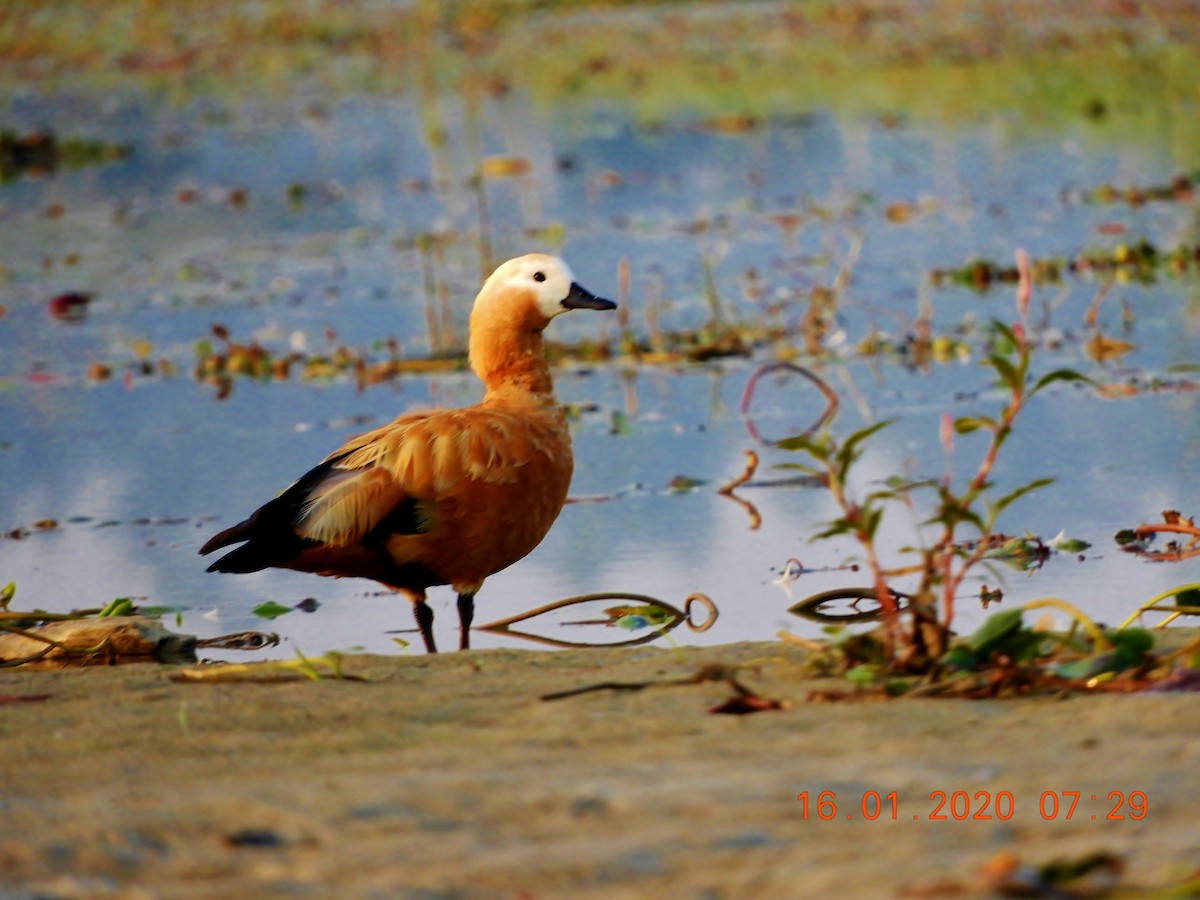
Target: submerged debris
(1140, 261)
(1137, 540)
(40, 153)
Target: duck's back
(444, 497)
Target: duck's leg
(424, 616)
(466, 613)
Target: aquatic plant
(917, 638)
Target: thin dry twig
(746, 475)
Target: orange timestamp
(974, 806)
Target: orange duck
(443, 496)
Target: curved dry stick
(1175, 524)
(501, 626)
(1145, 530)
(1151, 605)
(831, 400)
(747, 474)
(728, 490)
(709, 607)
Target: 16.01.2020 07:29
(979, 806)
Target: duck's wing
(387, 480)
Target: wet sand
(448, 777)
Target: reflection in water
(826, 416)
(649, 613)
(242, 640)
(844, 606)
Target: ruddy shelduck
(442, 496)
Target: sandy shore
(448, 777)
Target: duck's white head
(535, 283)
(514, 305)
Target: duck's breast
(496, 480)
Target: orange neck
(507, 358)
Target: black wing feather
(270, 531)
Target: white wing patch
(347, 505)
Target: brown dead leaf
(1102, 348)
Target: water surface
(308, 226)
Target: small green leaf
(1089, 667)
(871, 520)
(1188, 597)
(7, 593)
(994, 631)
(1007, 333)
(1000, 505)
(1059, 375)
(863, 675)
(121, 606)
(157, 612)
(681, 484)
(1006, 370)
(799, 467)
(817, 447)
(849, 450)
(960, 659)
(1131, 645)
(967, 424)
(952, 514)
(271, 610)
(1060, 543)
(833, 529)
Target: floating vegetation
(69, 307)
(1140, 261)
(1180, 189)
(1138, 540)
(37, 154)
(20, 532)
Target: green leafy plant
(963, 516)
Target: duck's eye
(539, 276)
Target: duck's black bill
(581, 298)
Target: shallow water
(139, 470)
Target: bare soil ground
(448, 777)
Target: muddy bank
(447, 776)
